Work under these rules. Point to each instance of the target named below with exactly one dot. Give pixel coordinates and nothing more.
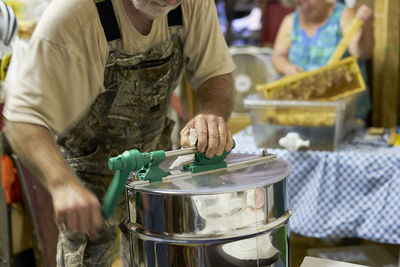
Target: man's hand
(76, 208)
(214, 103)
(213, 135)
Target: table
(351, 192)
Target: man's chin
(153, 15)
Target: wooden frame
(386, 64)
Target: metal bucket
(229, 217)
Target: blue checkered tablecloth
(351, 192)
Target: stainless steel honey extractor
(235, 228)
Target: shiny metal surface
(214, 216)
(254, 251)
(200, 219)
(181, 152)
(236, 177)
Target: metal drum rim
(186, 239)
(206, 191)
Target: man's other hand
(76, 208)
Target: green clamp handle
(202, 163)
(152, 172)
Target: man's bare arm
(216, 96)
(214, 104)
(74, 206)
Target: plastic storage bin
(321, 124)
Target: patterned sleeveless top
(311, 52)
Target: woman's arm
(362, 43)
(280, 57)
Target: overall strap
(108, 20)
(110, 24)
(175, 17)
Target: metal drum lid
(243, 172)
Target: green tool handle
(114, 192)
(130, 160)
(201, 159)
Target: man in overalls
(97, 80)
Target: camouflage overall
(131, 113)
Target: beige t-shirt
(63, 70)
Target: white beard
(151, 9)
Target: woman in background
(308, 37)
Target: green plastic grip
(144, 164)
(152, 172)
(202, 163)
(122, 165)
